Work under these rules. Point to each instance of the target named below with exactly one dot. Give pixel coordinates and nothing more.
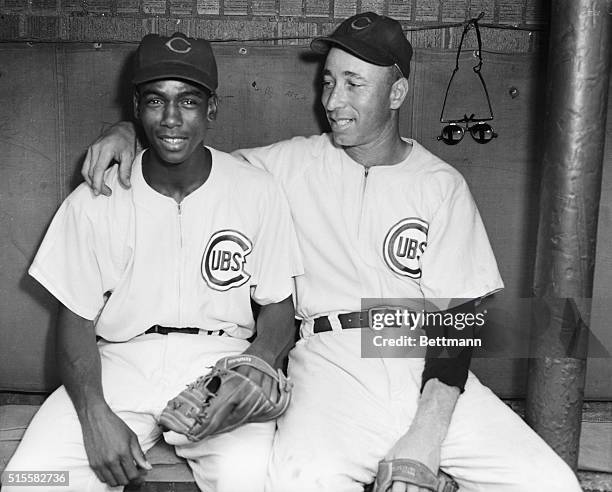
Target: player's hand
(117, 144)
(112, 449)
(417, 445)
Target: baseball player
(379, 216)
(163, 275)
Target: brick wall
(511, 25)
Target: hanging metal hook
(472, 23)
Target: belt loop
(307, 328)
(334, 321)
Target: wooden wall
(271, 22)
(56, 98)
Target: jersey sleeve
(458, 262)
(66, 263)
(276, 255)
(283, 160)
(268, 158)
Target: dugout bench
(171, 473)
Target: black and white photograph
(306, 245)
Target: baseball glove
(411, 472)
(238, 390)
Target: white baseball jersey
(406, 230)
(409, 230)
(196, 264)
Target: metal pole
(577, 92)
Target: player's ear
(398, 93)
(213, 102)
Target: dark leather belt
(164, 330)
(357, 319)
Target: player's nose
(171, 116)
(334, 98)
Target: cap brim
(361, 50)
(173, 70)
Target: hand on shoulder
(116, 145)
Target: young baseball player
(163, 275)
(379, 216)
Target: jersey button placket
(181, 261)
(364, 232)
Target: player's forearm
(79, 362)
(444, 378)
(275, 332)
(435, 409)
(122, 133)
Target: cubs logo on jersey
(223, 262)
(404, 245)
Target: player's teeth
(173, 140)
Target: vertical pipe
(577, 92)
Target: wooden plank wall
(269, 22)
(58, 97)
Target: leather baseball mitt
(411, 472)
(238, 390)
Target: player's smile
(356, 98)
(339, 124)
(172, 143)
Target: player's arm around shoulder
(117, 144)
(286, 159)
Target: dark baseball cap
(176, 57)
(371, 37)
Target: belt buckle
(372, 311)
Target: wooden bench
(172, 474)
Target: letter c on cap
(179, 45)
(361, 22)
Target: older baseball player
(163, 275)
(379, 216)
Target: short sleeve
(66, 263)
(265, 158)
(276, 255)
(458, 262)
(284, 160)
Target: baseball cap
(371, 37)
(175, 57)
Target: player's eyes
(327, 83)
(153, 101)
(190, 102)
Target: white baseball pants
(347, 412)
(139, 377)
